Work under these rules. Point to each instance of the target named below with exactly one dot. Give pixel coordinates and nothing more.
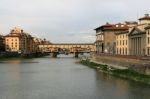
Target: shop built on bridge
(67, 48)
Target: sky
(67, 21)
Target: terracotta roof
(131, 22)
(118, 26)
(12, 36)
(103, 26)
(146, 17)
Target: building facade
(148, 40)
(122, 43)
(2, 43)
(106, 38)
(18, 41)
(130, 38)
(137, 39)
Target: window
(126, 42)
(117, 43)
(122, 25)
(117, 50)
(120, 50)
(148, 51)
(148, 40)
(126, 51)
(123, 42)
(120, 42)
(123, 51)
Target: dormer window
(117, 25)
(122, 25)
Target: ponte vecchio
(67, 48)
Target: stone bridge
(67, 48)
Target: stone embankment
(16, 54)
(140, 65)
(137, 69)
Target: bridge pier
(54, 54)
(76, 54)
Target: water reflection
(17, 62)
(63, 78)
(121, 88)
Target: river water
(63, 78)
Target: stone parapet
(139, 65)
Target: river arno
(63, 78)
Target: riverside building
(134, 39)
(137, 38)
(18, 41)
(2, 43)
(106, 38)
(122, 39)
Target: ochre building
(18, 41)
(106, 38)
(130, 38)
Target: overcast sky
(67, 20)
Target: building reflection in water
(119, 87)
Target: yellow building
(135, 41)
(122, 39)
(147, 40)
(18, 41)
(122, 43)
(130, 38)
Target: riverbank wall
(140, 65)
(15, 54)
(128, 68)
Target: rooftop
(118, 26)
(146, 17)
(16, 30)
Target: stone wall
(140, 66)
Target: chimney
(146, 15)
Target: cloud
(67, 20)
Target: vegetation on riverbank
(124, 73)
